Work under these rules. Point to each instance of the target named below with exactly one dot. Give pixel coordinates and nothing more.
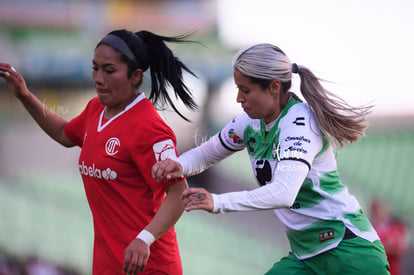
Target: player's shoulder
(145, 119)
(94, 102)
(300, 108)
(145, 110)
(242, 120)
(299, 114)
(94, 105)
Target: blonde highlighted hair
(339, 122)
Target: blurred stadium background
(45, 222)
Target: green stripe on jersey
(325, 146)
(307, 196)
(313, 238)
(331, 182)
(359, 220)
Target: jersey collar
(101, 125)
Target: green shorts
(352, 256)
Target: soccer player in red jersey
(393, 233)
(122, 136)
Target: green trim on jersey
(315, 237)
(331, 182)
(262, 145)
(359, 220)
(325, 146)
(259, 144)
(307, 196)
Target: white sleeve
(228, 141)
(281, 192)
(203, 157)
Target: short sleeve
(75, 128)
(151, 143)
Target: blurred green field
(380, 166)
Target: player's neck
(111, 111)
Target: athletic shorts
(352, 256)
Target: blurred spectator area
(53, 41)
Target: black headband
(120, 45)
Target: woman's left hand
(136, 256)
(197, 199)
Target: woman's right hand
(14, 80)
(166, 170)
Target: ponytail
(150, 51)
(338, 121)
(165, 67)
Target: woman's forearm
(170, 210)
(203, 157)
(280, 193)
(50, 122)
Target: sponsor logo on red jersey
(93, 171)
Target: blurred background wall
(363, 48)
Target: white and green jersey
(323, 208)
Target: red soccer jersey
(115, 164)
(394, 236)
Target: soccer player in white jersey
(291, 145)
(122, 136)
